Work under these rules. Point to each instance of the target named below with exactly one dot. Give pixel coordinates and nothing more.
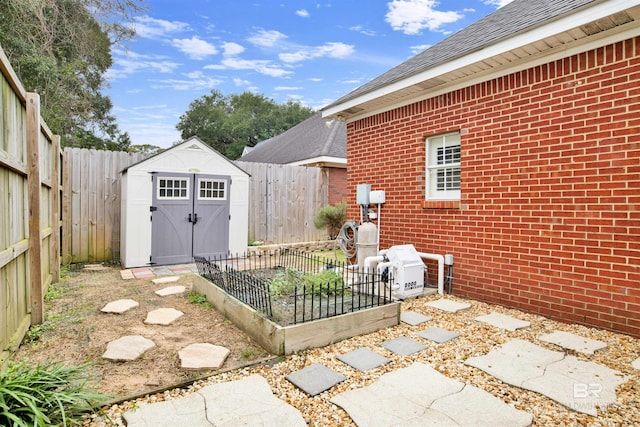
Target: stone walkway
(416, 395)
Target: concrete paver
(363, 359)
(412, 396)
(438, 335)
(248, 401)
(448, 305)
(403, 346)
(129, 347)
(315, 379)
(579, 385)
(573, 342)
(503, 321)
(163, 316)
(203, 356)
(120, 306)
(636, 363)
(171, 290)
(412, 318)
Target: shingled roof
(487, 43)
(315, 140)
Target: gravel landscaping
(476, 339)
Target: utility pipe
(440, 260)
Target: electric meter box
(408, 271)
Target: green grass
(45, 395)
(201, 300)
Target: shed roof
(315, 140)
(510, 38)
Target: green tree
(229, 123)
(62, 49)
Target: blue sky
(313, 52)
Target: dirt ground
(76, 332)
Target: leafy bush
(331, 217)
(45, 395)
(324, 282)
(287, 281)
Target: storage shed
(187, 201)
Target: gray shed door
(190, 216)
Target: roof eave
(434, 83)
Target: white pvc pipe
(389, 264)
(368, 261)
(440, 260)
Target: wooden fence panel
(283, 201)
(91, 207)
(29, 212)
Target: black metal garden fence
(291, 287)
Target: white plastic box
(408, 271)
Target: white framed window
(173, 188)
(443, 167)
(212, 189)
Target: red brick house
(514, 145)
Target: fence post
(33, 185)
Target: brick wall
(549, 217)
(337, 185)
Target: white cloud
(195, 84)
(266, 38)
(360, 29)
(498, 3)
(316, 79)
(240, 82)
(419, 48)
(148, 27)
(303, 13)
(127, 63)
(412, 16)
(262, 66)
(231, 48)
(331, 50)
(195, 48)
(282, 88)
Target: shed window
(212, 189)
(173, 188)
(443, 167)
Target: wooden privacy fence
(283, 201)
(29, 210)
(91, 203)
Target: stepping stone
(171, 290)
(503, 321)
(245, 402)
(580, 386)
(142, 273)
(165, 279)
(473, 406)
(419, 396)
(448, 305)
(180, 269)
(636, 363)
(412, 318)
(119, 306)
(203, 356)
(438, 335)
(189, 410)
(363, 359)
(129, 347)
(315, 379)
(163, 316)
(573, 342)
(403, 346)
(126, 274)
